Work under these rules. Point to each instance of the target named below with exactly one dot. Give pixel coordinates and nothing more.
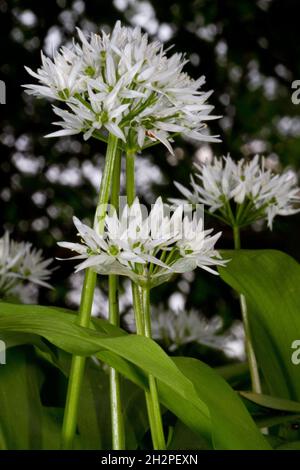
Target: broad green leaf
(19, 392)
(185, 410)
(276, 419)
(94, 424)
(94, 421)
(128, 369)
(169, 397)
(12, 339)
(83, 341)
(176, 388)
(185, 439)
(273, 403)
(268, 411)
(143, 352)
(270, 280)
(135, 415)
(25, 423)
(236, 429)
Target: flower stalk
(159, 433)
(253, 367)
(141, 305)
(118, 432)
(87, 295)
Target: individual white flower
(196, 247)
(242, 192)
(20, 262)
(59, 79)
(25, 293)
(147, 248)
(123, 84)
(175, 329)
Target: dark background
(250, 54)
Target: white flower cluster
(148, 249)
(19, 263)
(256, 191)
(123, 84)
(174, 329)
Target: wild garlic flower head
(19, 263)
(174, 329)
(147, 248)
(239, 193)
(123, 84)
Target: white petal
(115, 130)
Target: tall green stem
(117, 422)
(87, 295)
(140, 329)
(253, 367)
(130, 177)
(159, 432)
(141, 305)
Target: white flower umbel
(123, 84)
(147, 248)
(176, 329)
(19, 263)
(239, 193)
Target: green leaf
(265, 421)
(94, 424)
(19, 392)
(185, 439)
(13, 339)
(135, 414)
(25, 423)
(94, 421)
(60, 329)
(184, 409)
(273, 403)
(188, 413)
(268, 411)
(231, 422)
(270, 280)
(176, 388)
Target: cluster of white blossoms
(239, 193)
(149, 249)
(125, 85)
(174, 329)
(19, 263)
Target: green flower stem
(236, 237)
(130, 177)
(118, 432)
(139, 319)
(159, 432)
(143, 326)
(87, 295)
(253, 367)
(137, 304)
